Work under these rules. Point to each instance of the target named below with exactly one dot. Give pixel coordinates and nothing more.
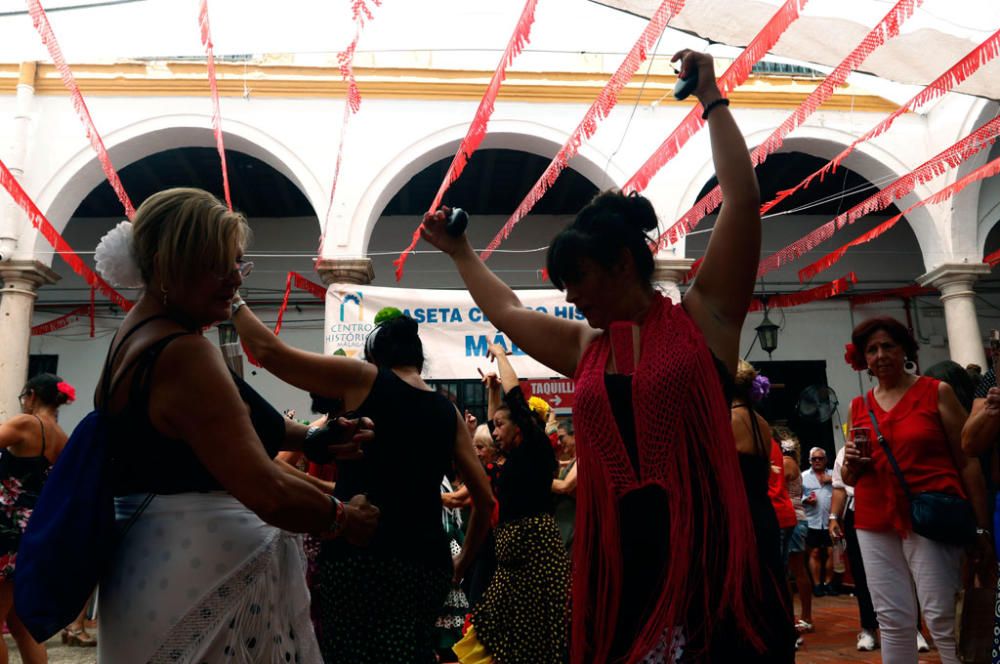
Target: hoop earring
(164, 291)
(910, 367)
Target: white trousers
(894, 567)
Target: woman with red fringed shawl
(665, 562)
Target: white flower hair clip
(115, 258)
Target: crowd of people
(665, 522)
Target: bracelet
(339, 514)
(834, 517)
(721, 101)
(983, 531)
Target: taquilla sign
(454, 331)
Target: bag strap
(888, 452)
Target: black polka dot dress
(524, 614)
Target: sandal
(78, 638)
(803, 627)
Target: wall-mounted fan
(817, 403)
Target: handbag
(974, 610)
(942, 517)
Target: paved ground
(836, 620)
(836, 630)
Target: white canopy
(471, 33)
(939, 33)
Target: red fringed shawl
(686, 446)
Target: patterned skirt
(374, 609)
(524, 614)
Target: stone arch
(870, 161)
(59, 197)
(530, 137)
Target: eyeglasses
(244, 267)
(817, 458)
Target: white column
(11, 217)
(669, 273)
(955, 281)
(21, 280)
(332, 271)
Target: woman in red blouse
(921, 420)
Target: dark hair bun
(395, 342)
(640, 212)
(45, 386)
(611, 223)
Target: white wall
(81, 358)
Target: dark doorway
(39, 364)
(788, 380)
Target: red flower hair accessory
(853, 358)
(68, 390)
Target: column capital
(671, 269)
(669, 272)
(954, 276)
(26, 276)
(359, 271)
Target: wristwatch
(834, 517)
(236, 304)
(983, 531)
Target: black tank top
(402, 468)
(146, 461)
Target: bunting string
(950, 157)
(950, 79)
(298, 281)
(606, 100)
(985, 171)
(886, 29)
(213, 84)
(64, 321)
(824, 292)
(52, 236)
(477, 130)
(352, 102)
(41, 22)
(903, 293)
(734, 76)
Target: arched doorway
(493, 184)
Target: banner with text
(453, 329)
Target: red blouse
(914, 432)
(778, 492)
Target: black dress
(21, 480)
(379, 603)
(646, 555)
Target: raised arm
(982, 429)
(508, 377)
(555, 342)
(330, 375)
(494, 395)
(953, 417)
(719, 297)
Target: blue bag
(71, 533)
